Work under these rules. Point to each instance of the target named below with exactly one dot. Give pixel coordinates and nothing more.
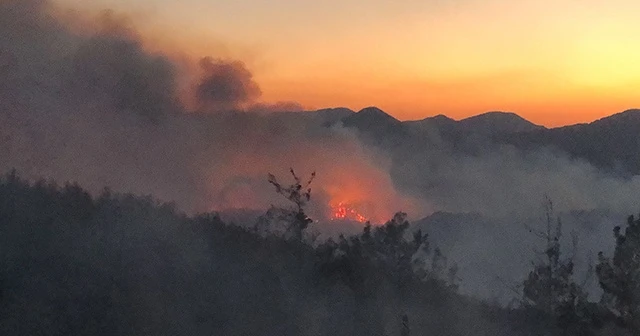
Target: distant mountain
(439, 122)
(435, 131)
(490, 123)
(376, 126)
(369, 118)
(498, 122)
(631, 115)
(332, 115)
(612, 143)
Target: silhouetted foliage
(550, 287)
(620, 277)
(74, 264)
(295, 218)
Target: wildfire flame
(344, 211)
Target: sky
(553, 62)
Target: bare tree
(299, 194)
(550, 286)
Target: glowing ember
(346, 212)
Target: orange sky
(553, 62)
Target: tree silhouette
(76, 264)
(620, 277)
(550, 287)
(297, 193)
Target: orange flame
(346, 212)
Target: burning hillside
(345, 211)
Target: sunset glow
(552, 62)
(319, 167)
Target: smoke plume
(87, 102)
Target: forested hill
(118, 264)
(73, 264)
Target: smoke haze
(89, 103)
(99, 109)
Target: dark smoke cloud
(117, 72)
(491, 199)
(87, 102)
(226, 85)
(95, 106)
(87, 108)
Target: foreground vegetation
(73, 264)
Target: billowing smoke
(95, 106)
(87, 102)
(490, 203)
(225, 85)
(502, 181)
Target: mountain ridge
(488, 115)
(610, 143)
